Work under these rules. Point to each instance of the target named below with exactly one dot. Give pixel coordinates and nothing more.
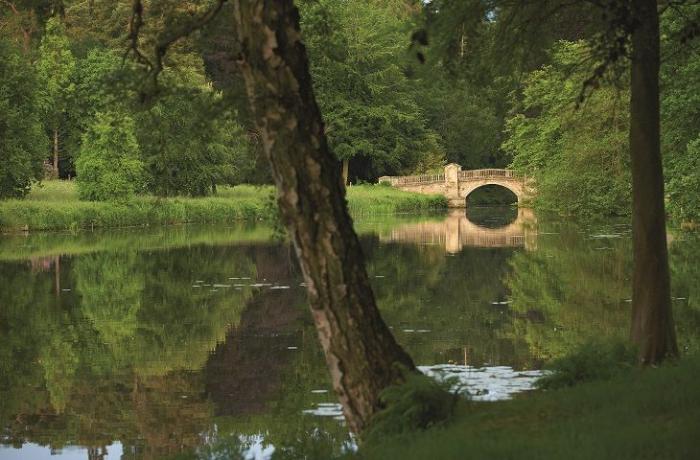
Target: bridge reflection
(457, 231)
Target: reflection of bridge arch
(456, 184)
(457, 231)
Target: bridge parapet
(489, 174)
(420, 179)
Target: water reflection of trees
(128, 342)
(458, 299)
(131, 354)
(113, 358)
(148, 313)
(135, 353)
(685, 287)
(577, 284)
(576, 288)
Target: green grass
(637, 414)
(54, 191)
(379, 199)
(55, 206)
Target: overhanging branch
(154, 66)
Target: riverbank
(55, 206)
(642, 413)
(21, 246)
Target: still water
(195, 342)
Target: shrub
(419, 403)
(593, 361)
(191, 143)
(108, 165)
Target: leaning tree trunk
(652, 321)
(361, 353)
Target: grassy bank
(378, 199)
(639, 414)
(55, 206)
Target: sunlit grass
(379, 199)
(54, 205)
(245, 191)
(54, 190)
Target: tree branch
(155, 66)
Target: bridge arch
(466, 189)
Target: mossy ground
(55, 206)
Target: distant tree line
(82, 115)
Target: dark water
(195, 342)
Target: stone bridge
(456, 184)
(456, 231)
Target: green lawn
(640, 414)
(379, 199)
(54, 205)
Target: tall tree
(22, 138)
(361, 353)
(579, 158)
(55, 66)
(108, 165)
(652, 320)
(629, 29)
(359, 66)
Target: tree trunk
(55, 152)
(652, 321)
(362, 356)
(346, 169)
(26, 41)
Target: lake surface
(195, 342)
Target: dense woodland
(404, 87)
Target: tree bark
(652, 321)
(26, 31)
(362, 356)
(26, 41)
(55, 152)
(346, 170)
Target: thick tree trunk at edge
(652, 322)
(361, 353)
